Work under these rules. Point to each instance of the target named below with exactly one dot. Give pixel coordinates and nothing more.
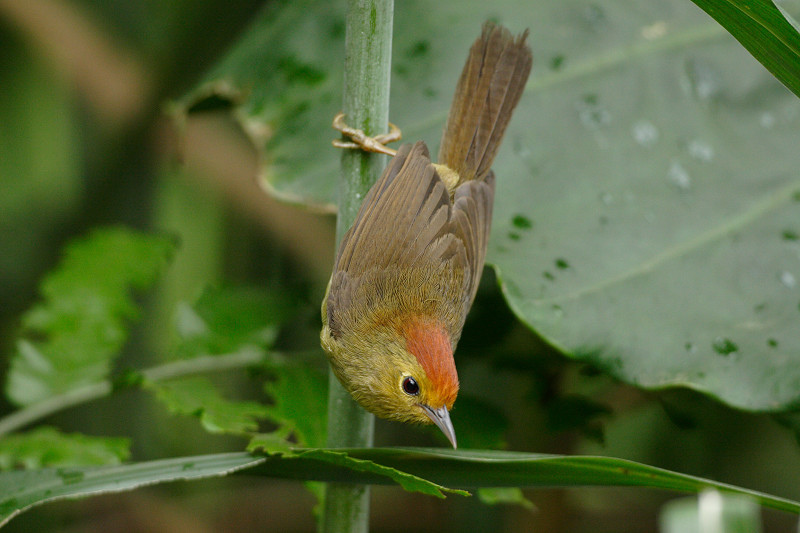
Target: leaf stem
(368, 52)
(175, 369)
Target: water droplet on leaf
(679, 176)
(592, 114)
(788, 279)
(703, 80)
(520, 147)
(645, 133)
(655, 30)
(701, 150)
(595, 14)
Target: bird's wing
(408, 222)
(405, 212)
(471, 222)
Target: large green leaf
(658, 238)
(417, 469)
(285, 77)
(646, 214)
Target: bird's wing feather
(407, 221)
(407, 209)
(471, 224)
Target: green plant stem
(186, 367)
(366, 106)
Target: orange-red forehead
(429, 342)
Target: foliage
(83, 319)
(645, 226)
(47, 447)
(22, 489)
(767, 31)
(678, 234)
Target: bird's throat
(429, 342)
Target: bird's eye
(410, 386)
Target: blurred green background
(84, 141)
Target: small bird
(407, 271)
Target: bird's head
(404, 373)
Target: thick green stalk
(368, 51)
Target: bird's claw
(364, 142)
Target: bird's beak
(441, 417)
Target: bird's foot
(363, 141)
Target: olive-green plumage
(406, 272)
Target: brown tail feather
(489, 88)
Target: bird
(407, 271)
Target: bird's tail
(489, 88)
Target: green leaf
(225, 322)
(197, 396)
(300, 395)
(48, 447)
(285, 78)
(409, 482)
(763, 29)
(71, 338)
(490, 468)
(645, 234)
(505, 496)
(21, 490)
(230, 319)
(647, 189)
(273, 443)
